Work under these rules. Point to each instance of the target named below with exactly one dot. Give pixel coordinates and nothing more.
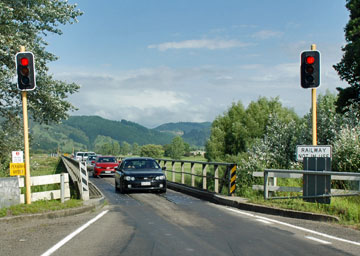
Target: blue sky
(160, 61)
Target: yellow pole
(26, 143)
(314, 115)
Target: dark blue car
(140, 174)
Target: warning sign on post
(17, 169)
(312, 151)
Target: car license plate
(146, 183)
(107, 171)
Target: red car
(105, 165)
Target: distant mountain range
(80, 132)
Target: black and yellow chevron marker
(232, 179)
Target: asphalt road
(173, 224)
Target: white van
(79, 156)
(87, 154)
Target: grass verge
(41, 206)
(347, 209)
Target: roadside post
(232, 183)
(310, 78)
(84, 179)
(25, 69)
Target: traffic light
(25, 71)
(310, 69)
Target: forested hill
(118, 130)
(192, 133)
(84, 132)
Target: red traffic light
(310, 69)
(25, 69)
(310, 60)
(24, 61)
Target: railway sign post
(312, 151)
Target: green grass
(347, 209)
(41, 164)
(41, 206)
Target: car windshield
(141, 164)
(107, 160)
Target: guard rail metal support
(266, 180)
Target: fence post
(173, 170)
(204, 176)
(62, 187)
(266, 188)
(216, 181)
(166, 171)
(193, 174)
(182, 173)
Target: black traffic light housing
(25, 69)
(310, 69)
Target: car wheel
(121, 190)
(94, 175)
(116, 187)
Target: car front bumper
(144, 185)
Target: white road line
(295, 227)
(264, 221)
(317, 240)
(73, 234)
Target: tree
(135, 150)
(151, 150)
(125, 148)
(177, 148)
(238, 129)
(26, 23)
(349, 66)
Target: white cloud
(153, 96)
(211, 44)
(266, 34)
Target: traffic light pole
(26, 143)
(314, 115)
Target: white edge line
(73, 234)
(317, 240)
(264, 221)
(296, 227)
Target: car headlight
(162, 177)
(129, 178)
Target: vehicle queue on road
(131, 174)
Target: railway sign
(312, 151)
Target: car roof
(138, 158)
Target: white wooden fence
(271, 181)
(63, 193)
